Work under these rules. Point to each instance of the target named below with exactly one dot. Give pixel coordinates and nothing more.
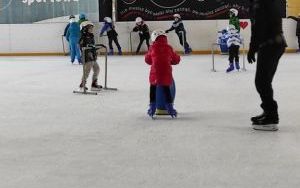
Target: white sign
(30, 2)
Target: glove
(251, 56)
(167, 31)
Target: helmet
(231, 29)
(108, 19)
(82, 16)
(71, 17)
(138, 20)
(157, 33)
(177, 16)
(86, 24)
(234, 11)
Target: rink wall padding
(46, 38)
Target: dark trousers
(182, 39)
(234, 54)
(299, 41)
(142, 38)
(115, 40)
(267, 61)
(167, 93)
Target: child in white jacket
(234, 42)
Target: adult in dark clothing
(268, 42)
(181, 33)
(144, 33)
(297, 19)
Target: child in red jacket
(161, 57)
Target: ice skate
(172, 112)
(266, 122)
(256, 118)
(111, 52)
(237, 66)
(95, 86)
(230, 68)
(120, 51)
(152, 109)
(82, 87)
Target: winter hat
(157, 33)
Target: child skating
(90, 58)
(181, 33)
(234, 42)
(234, 19)
(161, 57)
(112, 35)
(144, 33)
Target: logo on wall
(153, 10)
(4, 5)
(168, 4)
(129, 1)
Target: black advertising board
(105, 9)
(154, 10)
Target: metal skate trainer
(85, 91)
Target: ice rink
(52, 138)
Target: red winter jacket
(161, 56)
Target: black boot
(95, 86)
(256, 118)
(82, 86)
(266, 122)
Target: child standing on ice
(181, 33)
(161, 57)
(234, 19)
(112, 35)
(90, 58)
(234, 42)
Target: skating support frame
(213, 57)
(98, 47)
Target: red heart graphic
(244, 25)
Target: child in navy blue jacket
(181, 33)
(112, 35)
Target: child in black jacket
(144, 33)
(90, 56)
(181, 33)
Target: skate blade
(96, 89)
(270, 127)
(87, 92)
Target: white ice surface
(52, 138)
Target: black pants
(142, 39)
(234, 54)
(167, 93)
(182, 39)
(299, 41)
(114, 39)
(267, 62)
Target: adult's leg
(73, 50)
(299, 41)
(267, 63)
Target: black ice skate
(266, 122)
(95, 86)
(82, 87)
(256, 118)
